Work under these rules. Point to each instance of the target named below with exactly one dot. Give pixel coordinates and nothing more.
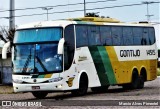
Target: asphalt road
(116, 97)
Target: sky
(124, 14)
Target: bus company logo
(129, 53)
(6, 103)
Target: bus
(80, 53)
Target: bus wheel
(141, 82)
(40, 95)
(83, 86)
(100, 89)
(135, 80)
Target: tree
(7, 34)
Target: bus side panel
(84, 63)
(125, 58)
(103, 65)
(121, 70)
(152, 70)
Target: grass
(6, 90)
(158, 71)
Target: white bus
(77, 54)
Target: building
(5, 68)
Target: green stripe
(38, 76)
(107, 64)
(41, 76)
(99, 65)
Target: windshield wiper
(44, 68)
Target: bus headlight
(17, 81)
(55, 79)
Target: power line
(119, 6)
(153, 19)
(58, 5)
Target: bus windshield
(32, 55)
(38, 35)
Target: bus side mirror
(4, 50)
(60, 46)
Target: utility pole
(45, 8)
(12, 15)
(148, 15)
(84, 8)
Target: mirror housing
(61, 46)
(4, 50)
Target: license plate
(35, 87)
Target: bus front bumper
(54, 86)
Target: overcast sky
(125, 14)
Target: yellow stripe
(98, 23)
(48, 76)
(114, 61)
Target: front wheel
(83, 86)
(40, 95)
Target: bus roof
(96, 19)
(84, 20)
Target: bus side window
(97, 39)
(69, 46)
(94, 37)
(137, 35)
(151, 36)
(81, 33)
(106, 38)
(117, 36)
(145, 39)
(127, 36)
(91, 35)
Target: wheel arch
(82, 74)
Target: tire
(83, 86)
(40, 95)
(135, 81)
(141, 82)
(101, 89)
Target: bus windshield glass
(33, 55)
(38, 35)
